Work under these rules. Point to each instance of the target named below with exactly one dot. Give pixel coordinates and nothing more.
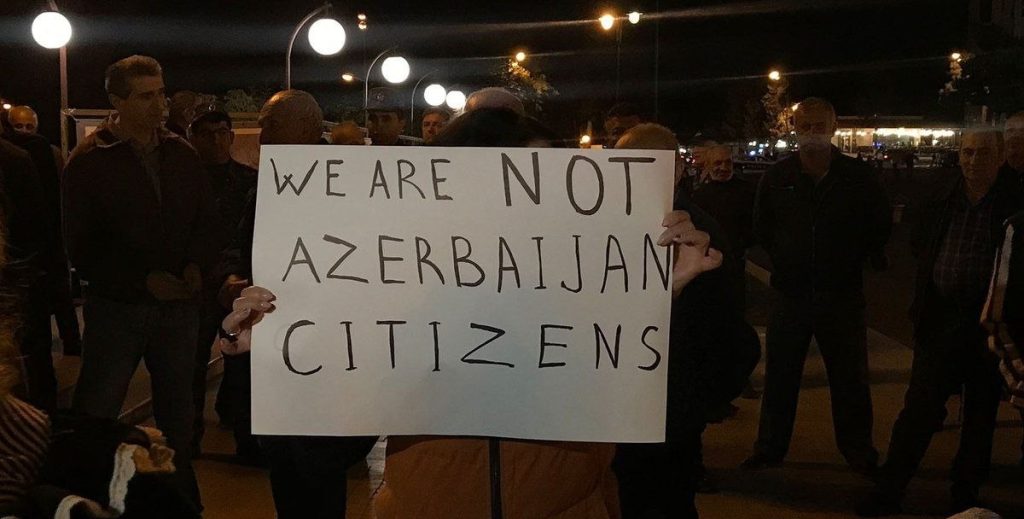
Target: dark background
(870, 57)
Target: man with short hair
(955, 243)
(142, 228)
(730, 201)
(307, 473)
(820, 216)
(434, 120)
(211, 135)
(619, 119)
(385, 117)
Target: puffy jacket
(480, 478)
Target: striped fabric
(24, 436)
(1011, 365)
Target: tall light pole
(609, 21)
(326, 36)
(412, 102)
(53, 31)
(397, 72)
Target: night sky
(869, 57)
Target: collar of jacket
(106, 137)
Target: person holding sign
(711, 354)
(445, 476)
(307, 473)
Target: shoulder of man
(12, 154)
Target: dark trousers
(308, 474)
(837, 324)
(235, 394)
(210, 318)
(35, 342)
(944, 361)
(659, 480)
(119, 335)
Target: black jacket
(712, 350)
(731, 204)
(931, 227)
(118, 230)
(819, 236)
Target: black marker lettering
(286, 349)
(306, 260)
(498, 332)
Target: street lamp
(394, 69)
(456, 100)
(362, 21)
(775, 75)
(52, 30)
(326, 36)
(634, 17)
(607, 21)
(956, 56)
(435, 94)
(412, 102)
(520, 56)
(348, 78)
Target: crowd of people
(155, 214)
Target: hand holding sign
(693, 255)
(246, 312)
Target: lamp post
(608, 22)
(53, 31)
(397, 73)
(326, 36)
(412, 102)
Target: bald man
(307, 473)
(23, 120)
(712, 352)
(494, 97)
(821, 216)
(956, 246)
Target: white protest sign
(463, 291)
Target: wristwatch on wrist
(224, 334)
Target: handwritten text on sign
(463, 291)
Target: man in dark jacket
(307, 473)
(35, 252)
(712, 352)
(58, 300)
(211, 135)
(142, 228)
(819, 215)
(955, 244)
(730, 201)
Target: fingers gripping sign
(693, 253)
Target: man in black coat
(711, 354)
(820, 215)
(33, 250)
(955, 243)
